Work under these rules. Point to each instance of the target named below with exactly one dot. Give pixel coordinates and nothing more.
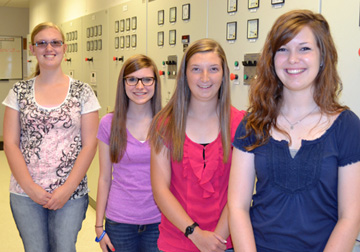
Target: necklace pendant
(291, 127)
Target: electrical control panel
(172, 26)
(172, 66)
(95, 51)
(127, 32)
(73, 55)
(241, 27)
(249, 63)
(163, 28)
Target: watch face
(189, 230)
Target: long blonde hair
(118, 134)
(168, 126)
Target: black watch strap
(190, 229)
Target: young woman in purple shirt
(124, 190)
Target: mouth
(205, 86)
(50, 56)
(140, 93)
(295, 71)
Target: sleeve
(236, 117)
(348, 139)
(240, 142)
(89, 101)
(11, 100)
(105, 128)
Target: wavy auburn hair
(168, 126)
(40, 27)
(118, 134)
(266, 91)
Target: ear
(32, 48)
(64, 47)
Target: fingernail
(113, 249)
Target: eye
(56, 43)
(305, 48)
(214, 69)
(41, 43)
(195, 69)
(147, 80)
(131, 79)
(281, 49)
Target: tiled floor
(9, 235)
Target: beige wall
(14, 22)
(65, 10)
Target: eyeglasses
(133, 81)
(53, 43)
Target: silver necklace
(298, 121)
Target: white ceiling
(15, 3)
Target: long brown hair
(168, 126)
(118, 134)
(40, 27)
(266, 92)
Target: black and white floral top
(50, 138)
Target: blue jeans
(133, 238)
(44, 230)
(228, 250)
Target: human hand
(207, 241)
(58, 198)
(39, 195)
(105, 242)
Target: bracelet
(101, 236)
(99, 226)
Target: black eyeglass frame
(139, 79)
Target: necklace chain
(298, 121)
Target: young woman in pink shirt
(190, 156)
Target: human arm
(170, 206)
(11, 132)
(105, 177)
(347, 227)
(89, 125)
(241, 186)
(222, 228)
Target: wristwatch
(190, 229)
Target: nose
(140, 85)
(293, 57)
(49, 45)
(205, 76)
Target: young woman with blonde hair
(50, 127)
(191, 153)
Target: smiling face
(297, 63)
(140, 94)
(48, 57)
(204, 75)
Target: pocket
(111, 222)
